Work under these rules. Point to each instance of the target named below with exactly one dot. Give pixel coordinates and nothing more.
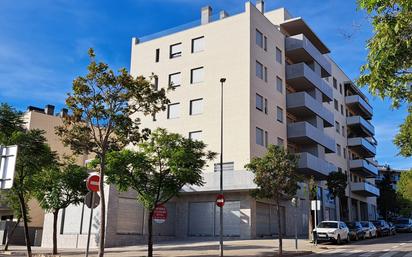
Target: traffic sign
(220, 200)
(8, 155)
(160, 214)
(93, 182)
(315, 205)
(92, 201)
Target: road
(399, 245)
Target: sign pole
(222, 81)
(90, 226)
(316, 217)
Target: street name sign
(8, 156)
(160, 214)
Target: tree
(387, 201)
(158, 170)
(59, 186)
(404, 191)
(104, 116)
(388, 71)
(32, 157)
(337, 183)
(276, 178)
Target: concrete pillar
(206, 15)
(223, 14)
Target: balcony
(358, 105)
(300, 49)
(301, 77)
(362, 146)
(365, 189)
(313, 166)
(302, 105)
(363, 168)
(360, 126)
(305, 133)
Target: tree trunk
(9, 235)
(55, 216)
(26, 227)
(150, 235)
(280, 228)
(102, 206)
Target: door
(201, 219)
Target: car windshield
(365, 224)
(328, 225)
(351, 224)
(402, 222)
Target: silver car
(369, 228)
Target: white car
(369, 228)
(335, 231)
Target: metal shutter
(231, 219)
(201, 219)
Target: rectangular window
(337, 126)
(344, 153)
(198, 44)
(196, 106)
(226, 166)
(197, 75)
(157, 55)
(259, 38)
(259, 70)
(195, 135)
(278, 55)
(335, 83)
(340, 88)
(279, 114)
(173, 111)
(281, 142)
(343, 131)
(266, 139)
(336, 104)
(279, 85)
(175, 79)
(259, 102)
(266, 106)
(265, 43)
(260, 137)
(156, 83)
(338, 150)
(341, 109)
(175, 50)
(266, 74)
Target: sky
(43, 45)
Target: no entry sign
(220, 200)
(93, 182)
(160, 214)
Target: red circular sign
(220, 200)
(93, 182)
(160, 214)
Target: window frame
(193, 45)
(168, 111)
(279, 110)
(191, 106)
(191, 75)
(170, 76)
(177, 54)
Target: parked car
(335, 231)
(403, 225)
(355, 230)
(392, 229)
(382, 227)
(369, 228)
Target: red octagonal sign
(160, 214)
(220, 200)
(93, 182)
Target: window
(175, 79)
(259, 137)
(337, 126)
(279, 114)
(343, 131)
(196, 106)
(156, 83)
(266, 139)
(265, 43)
(195, 135)
(198, 44)
(340, 88)
(173, 111)
(266, 106)
(336, 104)
(341, 109)
(335, 83)
(279, 85)
(259, 38)
(197, 75)
(265, 75)
(344, 153)
(175, 50)
(338, 150)
(259, 102)
(259, 70)
(278, 55)
(281, 142)
(226, 166)
(157, 55)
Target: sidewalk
(263, 247)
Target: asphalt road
(399, 245)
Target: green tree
(158, 170)
(11, 121)
(404, 191)
(337, 183)
(276, 178)
(59, 186)
(387, 201)
(388, 71)
(104, 116)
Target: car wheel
(348, 239)
(356, 237)
(338, 240)
(370, 234)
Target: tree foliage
(104, 108)
(158, 169)
(404, 137)
(387, 201)
(405, 185)
(337, 183)
(276, 178)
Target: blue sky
(43, 45)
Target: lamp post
(222, 81)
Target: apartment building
(393, 174)
(281, 88)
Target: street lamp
(222, 81)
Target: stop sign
(160, 214)
(220, 200)
(93, 182)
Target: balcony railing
(359, 106)
(361, 125)
(305, 133)
(363, 168)
(311, 165)
(365, 189)
(362, 146)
